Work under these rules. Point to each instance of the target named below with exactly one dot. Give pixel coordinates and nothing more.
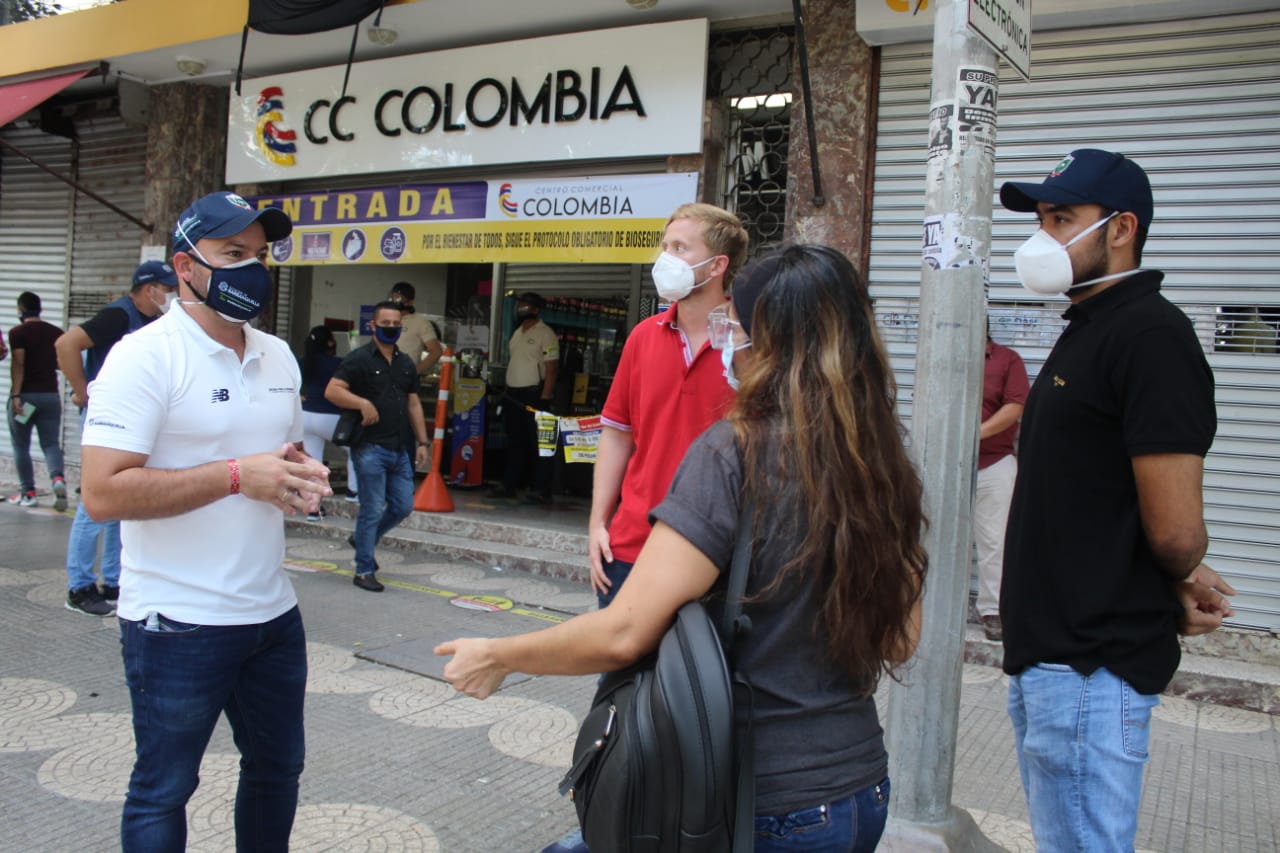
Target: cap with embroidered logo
(1087, 176)
(225, 214)
(155, 272)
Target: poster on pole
(977, 92)
(1006, 26)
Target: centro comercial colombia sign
(626, 92)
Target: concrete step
(1250, 685)
(539, 561)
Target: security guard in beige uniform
(531, 380)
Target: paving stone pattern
(399, 762)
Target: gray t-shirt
(815, 740)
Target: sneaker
(315, 517)
(89, 600)
(351, 497)
(24, 499)
(571, 843)
(110, 594)
(992, 628)
(59, 494)
(368, 582)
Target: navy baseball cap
(750, 283)
(1087, 176)
(225, 214)
(155, 272)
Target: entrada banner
(615, 219)
(626, 92)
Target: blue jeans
(82, 547)
(386, 497)
(181, 677)
(82, 551)
(617, 572)
(47, 421)
(851, 825)
(1082, 744)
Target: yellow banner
(596, 241)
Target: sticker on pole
(977, 93)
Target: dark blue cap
(750, 283)
(1087, 176)
(155, 272)
(225, 214)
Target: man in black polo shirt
(1106, 532)
(382, 382)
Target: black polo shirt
(1081, 587)
(388, 386)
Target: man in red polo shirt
(669, 387)
(1004, 393)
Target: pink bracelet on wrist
(234, 466)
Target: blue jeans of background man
(181, 678)
(47, 422)
(1082, 745)
(82, 547)
(851, 825)
(386, 497)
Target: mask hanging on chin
(1044, 267)
(726, 360)
(674, 278)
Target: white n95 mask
(674, 278)
(1043, 265)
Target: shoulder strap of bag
(734, 627)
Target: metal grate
(750, 73)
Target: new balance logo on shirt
(221, 395)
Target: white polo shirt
(173, 393)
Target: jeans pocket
(1136, 710)
(158, 623)
(800, 822)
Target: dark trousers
(522, 442)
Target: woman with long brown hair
(815, 441)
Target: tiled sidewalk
(398, 762)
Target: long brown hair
(816, 410)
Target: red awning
(17, 98)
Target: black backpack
(661, 763)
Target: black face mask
(523, 314)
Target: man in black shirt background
(1106, 531)
(382, 382)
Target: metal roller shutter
(106, 245)
(1196, 103)
(35, 209)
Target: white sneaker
(24, 499)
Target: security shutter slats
(34, 212)
(1196, 103)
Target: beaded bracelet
(234, 466)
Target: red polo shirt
(1004, 380)
(665, 397)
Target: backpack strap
(733, 628)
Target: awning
(18, 98)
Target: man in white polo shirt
(193, 440)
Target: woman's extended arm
(669, 572)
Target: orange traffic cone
(433, 494)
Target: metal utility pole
(924, 709)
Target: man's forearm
(146, 493)
(615, 449)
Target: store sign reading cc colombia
(627, 92)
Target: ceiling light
(642, 4)
(382, 36)
(191, 66)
